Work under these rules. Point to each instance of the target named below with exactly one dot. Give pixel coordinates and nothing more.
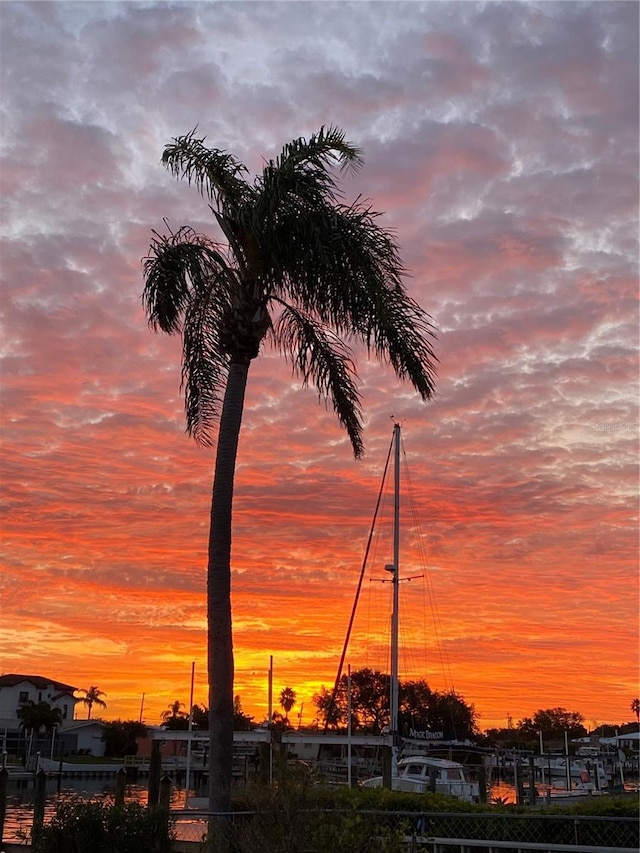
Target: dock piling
(39, 799)
(121, 783)
(4, 781)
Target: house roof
(620, 738)
(38, 681)
(68, 725)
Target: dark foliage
(39, 717)
(99, 827)
(420, 707)
(121, 737)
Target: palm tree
(36, 717)
(287, 701)
(92, 697)
(173, 711)
(635, 707)
(299, 271)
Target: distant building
(19, 690)
(71, 738)
(630, 740)
(627, 740)
(80, 737)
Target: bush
(100, 827)
(295, 819)
(308, 818)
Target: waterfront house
(18, 690)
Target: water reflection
(19, 816)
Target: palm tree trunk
(220, 641)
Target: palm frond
(320, 150)
(301, 177)
(350, 275)
(401, 333)
(204, 362)
(176, 263)
(189, 286)
(376, 306)
(319, 356)
(215, 173)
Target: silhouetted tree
(200, 717)
(241, 722)
(553, 723)
(38, 717)
(287, 701)
(449, 713)
(420, 707)
(174, 719)
(415, 699)
(92, 697)
(300, 271)
(120, 737)
(369, 702)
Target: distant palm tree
(174, 711)
(92, 697)
(174, 719)
(300, 271)
(635, 707)
(287, 701)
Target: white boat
(421, 774)
(589, 775)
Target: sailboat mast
(396, 585)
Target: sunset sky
(501, 143)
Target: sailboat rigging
(394, 570)
(418, 772)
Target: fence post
(155, 771)
(532, 781)
(121, 783)
(482, 783)
(165, 793)
(39, 797)
(433, 773)
(264, 753)
(4, 781)
(385, 754)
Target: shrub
(305, 818)
(295, 819)
(101, 827)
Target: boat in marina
(421, 774)
(421, 761)
(569, 774)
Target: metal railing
(464, 845)
(458, 832)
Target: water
(502, 792)
(19, 816)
